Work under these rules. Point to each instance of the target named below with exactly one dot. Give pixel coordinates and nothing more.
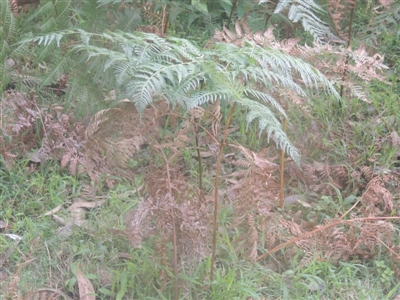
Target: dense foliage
(127, 117)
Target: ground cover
(107, 197)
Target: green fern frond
(306, 12)
(5, 48)
(52, 15)
(185, 87)
(57, 69)
(8, 22)
(202, 97)
(107, 2)
(266, 98)
(146, 68)
(267, 121)
(385, 22)
(387, 18)
(8, 29)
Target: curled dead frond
(377, 196)
(14, 6)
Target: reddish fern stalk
(216, 185)
(282, 171)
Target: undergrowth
(90, 186)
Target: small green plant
(385, 273)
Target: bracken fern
(306, 12)
(147, 67)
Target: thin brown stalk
(282, 170)
(165, 20)
(216, 186)
(176, 286)
(199, 159)
(174, 237)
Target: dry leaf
(293, 198)
(3, 224)
(3, 275)
(394, 136)
(54, 210)
(82, 204)
(86, 290)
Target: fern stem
(348, 56)
(165, 21)
(282, 169)
(216, 185)
(199, 159)
(176, 287)
(231, 13)
(174, 236)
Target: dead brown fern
(113, 138)
(45, 294)
(376, 198)
(12, 290)
(170, 214)
(320, 177)
(19, 116)
(344, 242)
(158, 18)
(363, 236)
(14, 6)
(175, 218)
(254, 191)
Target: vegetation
(143, 149)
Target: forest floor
(129, 205)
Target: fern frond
(276, 66)
(202, 97)
(267, 121)
(57, 70)
(388, 20)
(266, 98)
(305, 11)
(8, 22)
(391, 16)
(107, 2)
(147, 67)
